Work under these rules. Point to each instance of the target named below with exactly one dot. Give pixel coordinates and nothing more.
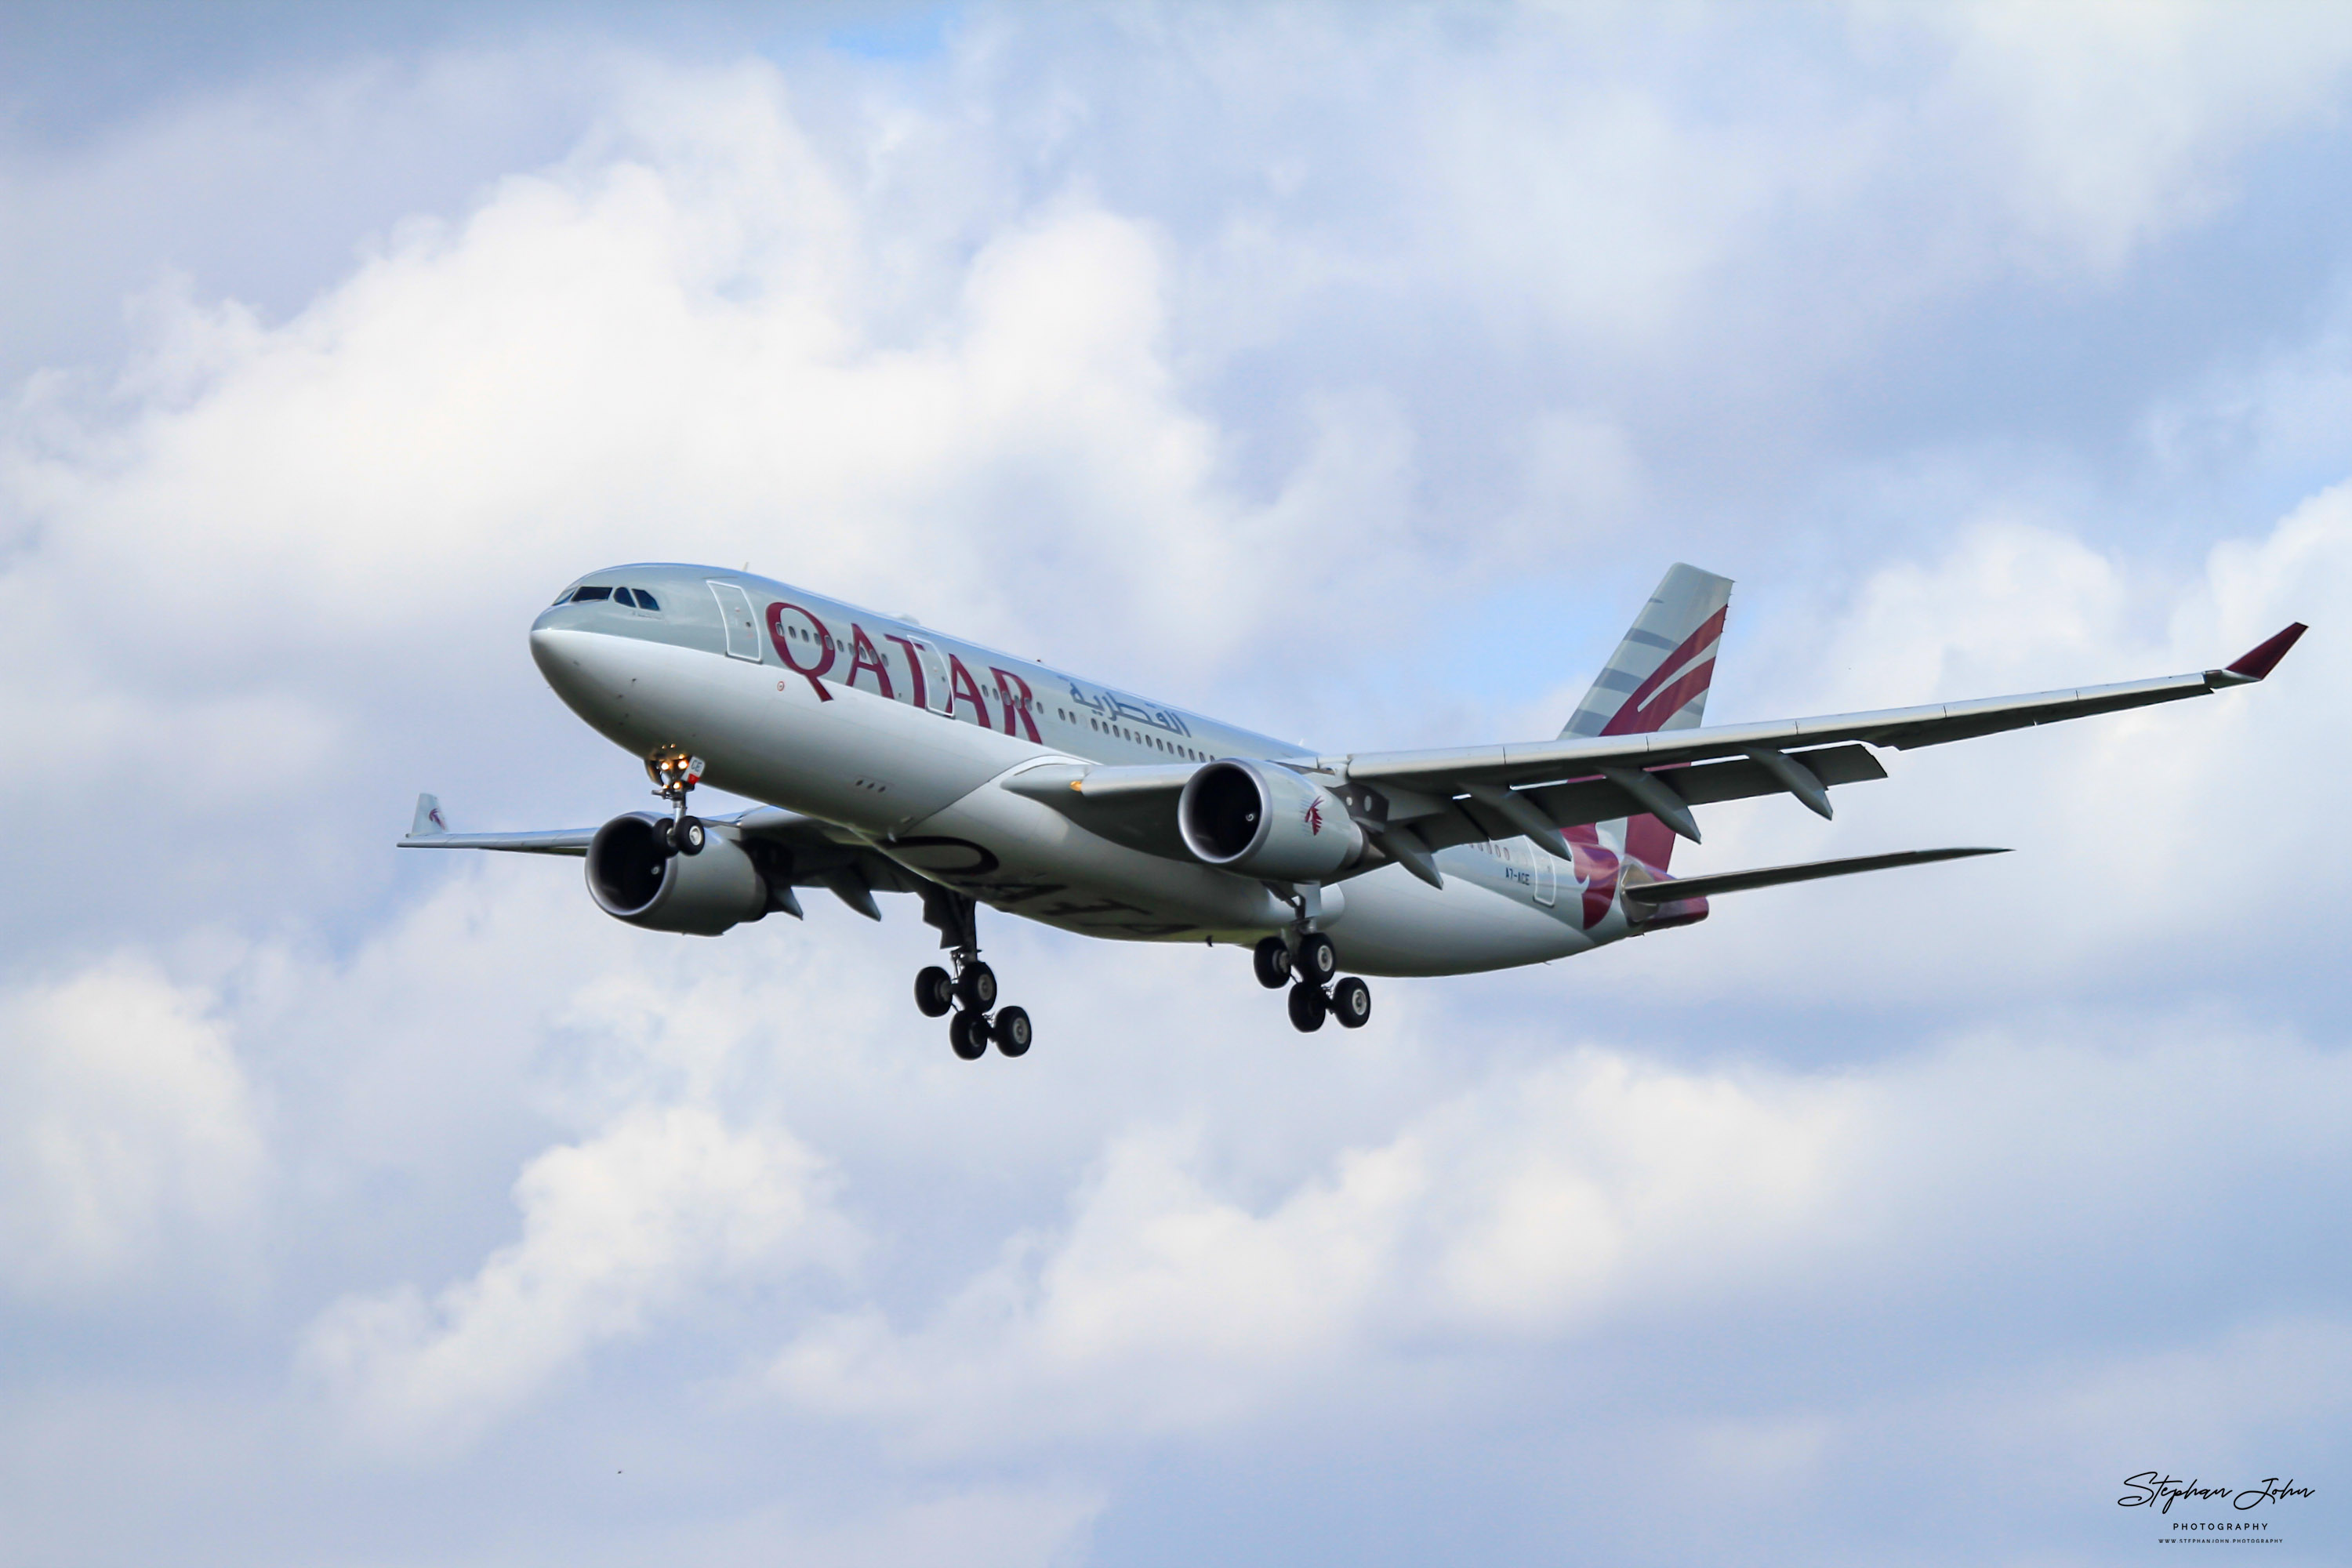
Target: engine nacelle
(633, 879)
(1263, 819)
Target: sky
(1352, 371)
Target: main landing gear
(1314, 962)
(970, 992)
(675, 774)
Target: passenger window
(646, 601)
(585, 595)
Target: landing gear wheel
(1273, 961)
(1317, 960)
(968, 1033)
(976, 987)
(1351, 1003)
(934, 992)
(1307, 1006)
(1011, 1032)
(687, 833)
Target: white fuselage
(903, 737)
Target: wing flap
(1704, 783)
(1582, 801)
(807, 852)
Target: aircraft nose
(546, 642)
(589, 670)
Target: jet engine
(1263, 819)
(634, 877)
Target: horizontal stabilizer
(1677, 889)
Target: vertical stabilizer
(1657, 679)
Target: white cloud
(129, 1134)
(2110, 125)
(618, 1230)
(1583, 1202)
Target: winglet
(2259, 661)
(429, 821)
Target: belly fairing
(1396, 924)
(1016, 855)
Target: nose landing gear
(675, 774)
(1314, 962)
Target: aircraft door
(935, 677)
(735, 610)
(1544, 882)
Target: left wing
(1415, 802)
(1610, 756)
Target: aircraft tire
(1307, 1007)
(968, 1033)
(934, 992)
(1318, 961)
(1272, 959)
(1011, 1031)
(1351, 1003)
(977, 988)
(690, 835)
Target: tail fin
(1657, 679)
(429, 820)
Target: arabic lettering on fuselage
(1112, 708)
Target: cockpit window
(623, 596)
(585, 595)
(646, 601)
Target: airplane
(889, 757)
